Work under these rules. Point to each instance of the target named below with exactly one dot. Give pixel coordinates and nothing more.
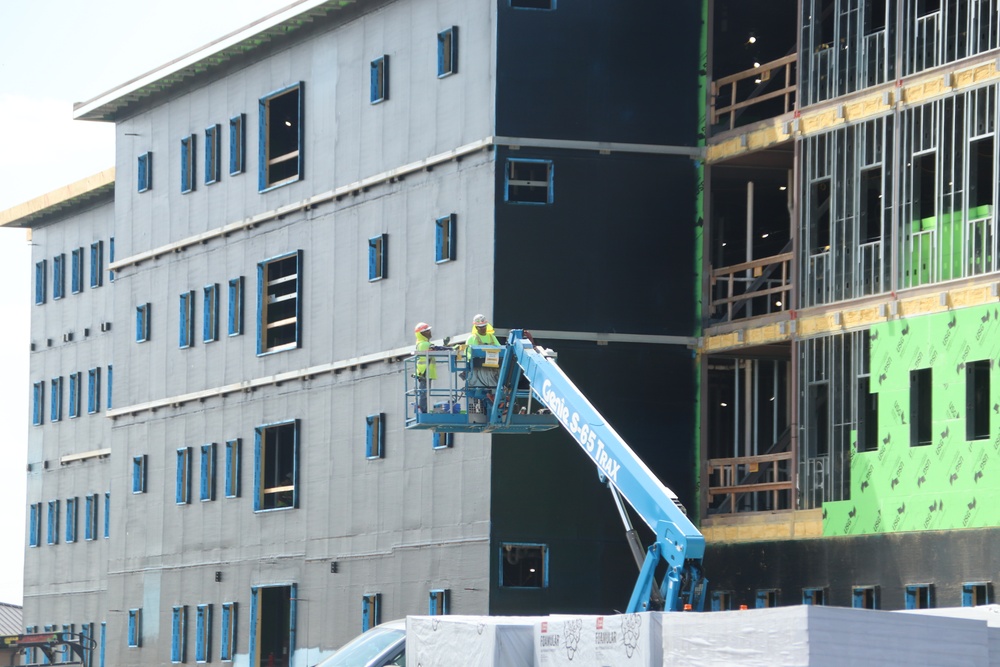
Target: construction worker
(482, 379)
(425, 364)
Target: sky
(54, 53)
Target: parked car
(382, 646)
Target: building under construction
(762, 242)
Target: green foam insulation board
(952, 482)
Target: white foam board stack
(470, 641)
(632, 640)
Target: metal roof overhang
(108, 106)
(74, 196)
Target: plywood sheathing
(762, 526)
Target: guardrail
(767, 276)
(761, 77)
(764, 473)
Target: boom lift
(57, 648)
(509, 405)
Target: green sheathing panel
(952, 482)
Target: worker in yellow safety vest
(425, 364)
(481, 380)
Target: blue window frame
(437, 602)
(275, 466)
(444, 239)
(375, 436)
(74, 395)
(41, 271)
(38, 403)
(281, 140)
(233, 468)
(139, 474)
(107, 515)
(203, 633)
(919, 596)
(55, 399)
(227, 632)
(70, 520)
(447, 43)
(766, 597)
(524, 565)
(207, 491)
(144, 172)
(104, 642)
(111, 257)
(96, 263)
(278, 316)
(29, 653)
(865, 597)
(533, 4)
(213, 149)
(187, 164)
(210, 314)
(236, 306)
(182, 482)
(134, 628)
(142, 317)
(76, 271)
(93, 390)
(67, 627)
(371, 612)
(380, 79)
(34, 524)
(237, 144)
(52, 534)
(443, 440)
(378, 254)
(185, 335)
(59, 276)
(722, 600)
(87, 634)
(814, 596)
(976, 593)
(528, 181)
(90, 518)
(178, 634)
(111, 377)
(260, 596)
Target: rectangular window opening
(533, 4)
(178, 634)
(920, 407)
(380, 79)
(207, 491)
(76, 271)
(38, 403)
(766, 598)
(278, 303)
(142, 316)
(867, 416)
(41, 271)
(281, 137)
(34, 524)
(237, 144)
(52, 534)
(213, 147)
(919, 596)
(182, 482)
(528, 181)
(93, 390)
(210, 316)
(447, 42)
(203, 633)
(185, 334)
(236, 306)
(275, 457)
(227, 632)
(375, 436)
(90, 518)
(437, 604)
(233, 468)
(977, 400)
(444, 239)
(70, 520)
(814, 596)
(378, 250)
(59, 276)
(55, 412)
(524, 565)
(865, 597)
(144, 171)
(96, 264)
(722, 600)
(74, 395)
(976, 594)
(370, 611)
(139, 474)
(187, 164)
(134, 628)
(443, 440)
(107, 515)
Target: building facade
(231, 459)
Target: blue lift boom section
(507, 407)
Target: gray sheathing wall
(346, 137)
(417, 519)
(66, 583)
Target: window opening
(976, 594)
(178, 634)
(233, 468)
(278, 303)
(533, 4)
(447, 42)
(767, 597)
(96, 263)
(524, 565)
(280, 137)
(977, 400)
(377, 254)
(134, 628)
(185, 335)
(76, 271)
(920, 407)
(443, 440)
(210, 316)
(865, 597)
(182, 483)
(276, 456)
(919, 596)
(139, 474)
(213, 147)
(107, 515)
(187, 164)
(41, 271)
(375, 436)
(444, 239)
(52, 536)
(380, 79)
(93, 390)
(74, 395)
(437, 604)
(38, 403)
(272, 624)
(237, 144)
(58, 276)
(370, 612)
(722, 600)
(144, 171)
(227, 632)
(34, 524)
(203, 633)
(528, 181)
(867, 416)
(90, 518)
(55, 413)
(142, 315)
(207, 490)
(236, 306)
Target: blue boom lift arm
(678, 544)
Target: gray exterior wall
(66, 583)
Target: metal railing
(767, 478)
(734, 287)
(762, 77)
(980, 246)
(922, 266)
(870, 268)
